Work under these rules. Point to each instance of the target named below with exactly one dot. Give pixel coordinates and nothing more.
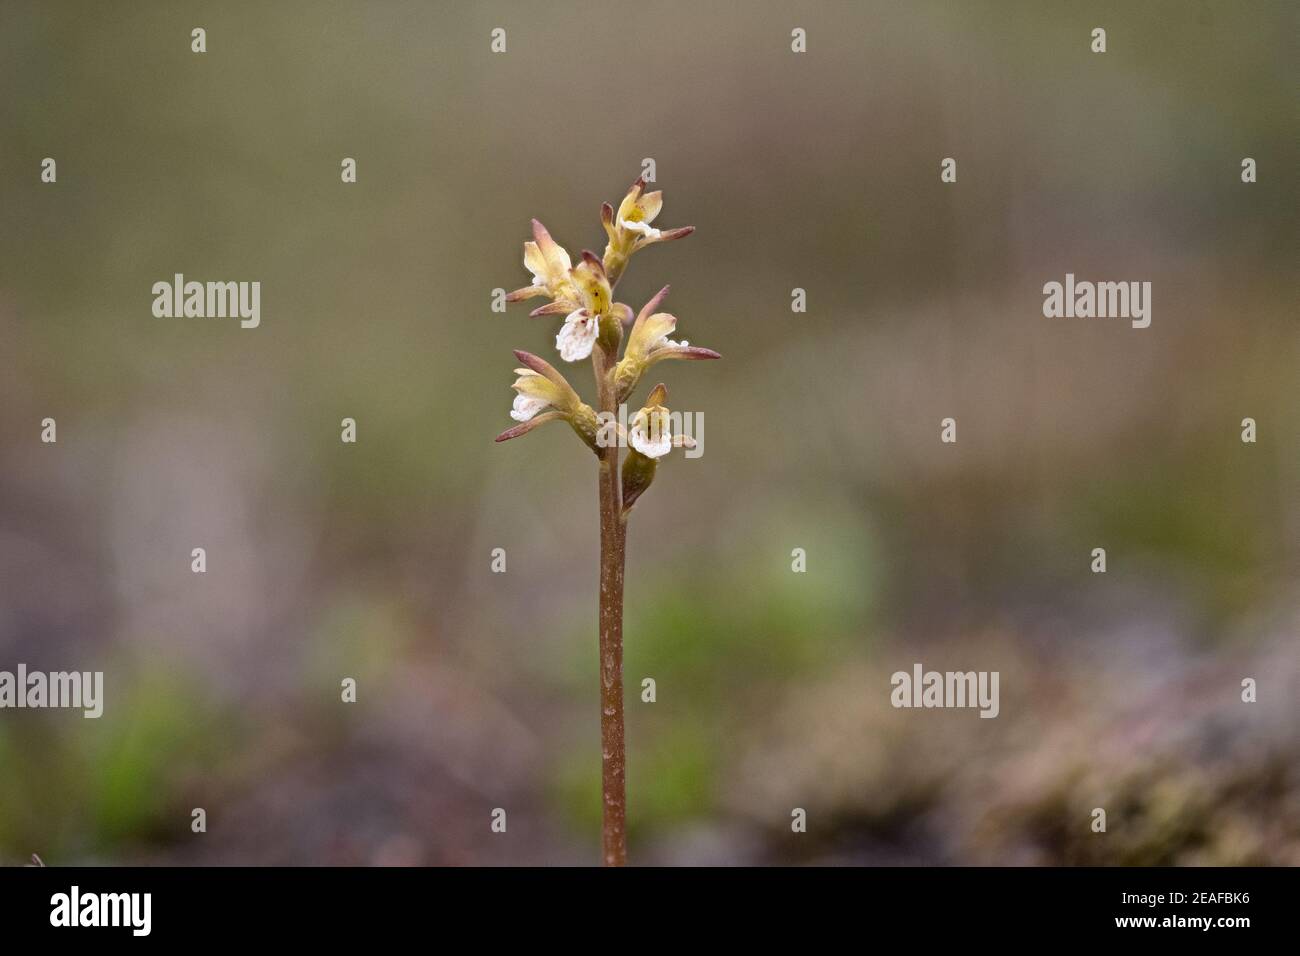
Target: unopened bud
(638, 473)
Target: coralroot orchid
(593, 326)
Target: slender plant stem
(612, 539)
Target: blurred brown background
(820, 171)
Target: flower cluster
(593, 327)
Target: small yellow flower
(544, 395)
(638, 209)
(629, 229)
(651, 438)
(535, 393)
(551, 267)
(648, 343)
(581, 293)
(650, 432)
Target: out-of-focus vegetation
(478, 690)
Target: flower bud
(638, 473)
(611, 328)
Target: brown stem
(612, 539)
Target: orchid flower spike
(594, 327)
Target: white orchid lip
(526, 407)
(651, 434)
(647, 230)
(577, 336)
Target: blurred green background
(819, 171)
